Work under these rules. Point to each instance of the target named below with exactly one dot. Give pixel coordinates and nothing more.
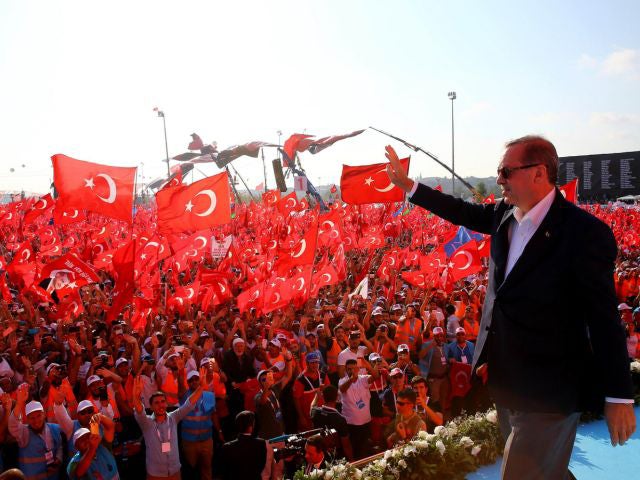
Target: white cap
(193, 373)
(395, 371)
(52, 365)
(374, 356)
(236, 341)
(624, 306)
(460, 330)
(81, 432)
(33, 406)
(84, 404)
(205, 361)
(403, 347)
(438, 330)
(120, 361)
(276, 342)
(93, 379)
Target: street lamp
(452, 97)
(166, 146)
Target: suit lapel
(539, 244)
(500, 246)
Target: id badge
(166, 447)
(443, 360)
(463, 359)
(48, 456)
(279, 416)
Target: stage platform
(593, 457)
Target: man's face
(313, 367)
(397, 381)
(351, 369)
(313, 342)
(123, 369)
(439, 338)
(312, 455)
(36, 420)
(84, 416)
(194, 383)
(420, 389)
(404, 406)
(82, 444)
(238, 348)
(461, 338)
(339, 334)
(516, 190)
(411, 312)
(354, 342)
(159, 405)
(95, 387)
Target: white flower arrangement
(433, 448)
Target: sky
(82, 78)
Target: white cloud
(587, 61)
(613, 119)
(625, 62)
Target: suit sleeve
(595, 281)
(455, 210)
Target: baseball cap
(460, 330)
(403, 347)
(204, 361)
(438, 330)
(261, 373)
(623, 306)
(236, 341)
(93, 379)
(120, 361)
(84, 404)
(146, 358)
(396, 307)
(81, 432)
(373, 357)
(204, 334)
(395, 371)
(275, 342)
(312, 334)
(312, 357)
(193, 373)
(282, 337)
(52, 365)
(33, 406)
(377, 311)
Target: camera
(293, 449)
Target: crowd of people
(217, 392)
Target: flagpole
(166, 144)
(243, 182)
(233, 185)
(264, 169)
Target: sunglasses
(507, 172)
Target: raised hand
(396, 173)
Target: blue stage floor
(593, 457)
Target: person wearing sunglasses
(407, 423)
(544, 252)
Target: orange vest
(332, 356)
(170, 388)
(70, 398)
(404, 333)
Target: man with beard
(56, 382)
(305, 387)
(102, 398)
(160, 431)
(92, 460)
(40, 443)
(238, 366)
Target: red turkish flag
(201, 205)
(484, 246)
(99, 188)
(322, 278)
(460, 376)
(42, 206)
(275, 295)
(465, 261)
(271, 197)
(490, 199)
(298, 287)
(370, 184)
(416, 278)
(295, 143)
(251, 298)
(63, 216)
(288, 204)
(570, 190)
(302, 253)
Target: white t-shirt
(347, 354)
(355, 402)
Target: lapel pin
(547, 234)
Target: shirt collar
(538, 212)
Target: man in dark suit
(246, 457)
(550, 343)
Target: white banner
(220, 249)
(300, 184)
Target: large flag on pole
(91, 186)
(370, 184)
(199, 206)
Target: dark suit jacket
(243, 458)
(550, 331)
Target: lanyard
(311, 384)
(168, 430)
(276, 407)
